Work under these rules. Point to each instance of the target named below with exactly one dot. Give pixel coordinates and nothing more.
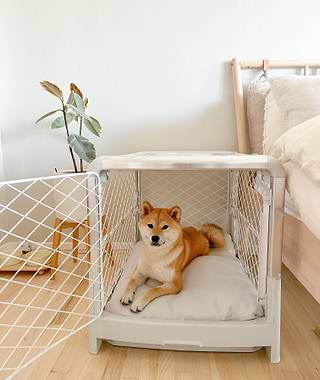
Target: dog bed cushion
(215, 287)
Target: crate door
(50, 264)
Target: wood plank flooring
(300, 354)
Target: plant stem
(80, 133)
(80, 127)
(68, 134)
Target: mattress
(305, 195)
(215, 288)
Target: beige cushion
(274, 125)
(291, 100)
(256, 98)
(215, 288)
(301, 145)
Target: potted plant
(73, 114)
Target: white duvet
(215, 287)
(299, 149)
(301, 144)
(305, 195)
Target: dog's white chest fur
(153, 264)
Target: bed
(301, 246)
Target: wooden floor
(300, 354)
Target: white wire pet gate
(42, 304)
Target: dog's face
(159, 227)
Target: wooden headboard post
(241, 116)
(240, 106)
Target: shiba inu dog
(167, 250)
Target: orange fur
(167, 250)
(214, 234)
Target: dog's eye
(150, 225)
(165, 227)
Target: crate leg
(273, 353)
(94, 345)
(274, 291)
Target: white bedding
(305, 195)
(277, 104)
(301, 145)
(291, 132)
(290, 208)
(298, 148)
(215, 288)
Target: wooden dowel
(242, 125)
(278, 64)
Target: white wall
(155, 72)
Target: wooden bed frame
(301, 249)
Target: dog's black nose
(155, 238)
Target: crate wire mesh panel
(202, 195)
(119, 207)
(231, 199)
(249, 210)
(41, 304)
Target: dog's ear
(175, 213)
(146, 208)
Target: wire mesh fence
(119, 205)
(246, 208)
(46, 254)
(201, 194)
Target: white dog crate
(242, 193)
(44, 302)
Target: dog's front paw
(127, 297)
(138, 305)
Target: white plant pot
(70, 197)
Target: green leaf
(93, 125)
(46, 115)
(74, 88)
(52, 88)
(59, 121)
(83, 147)
(70, 98)
(78, 102)
(78, 112)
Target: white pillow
(291, 100)
(256, 99)
(274, 124)
(298, 97)
(215, 287)
(301, 144)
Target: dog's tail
(214, 234)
